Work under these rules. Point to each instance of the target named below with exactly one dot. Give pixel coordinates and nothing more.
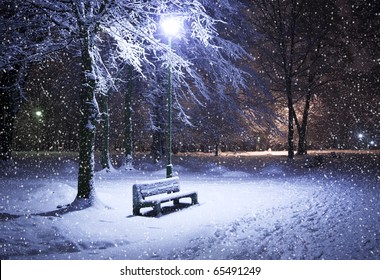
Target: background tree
(131, 86)
(10, 98)
(298, 52)
(326, 55)
(352, 104)
(123, 78)
(50, 87)
(276, 21)
(24, 32)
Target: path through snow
(251, 207)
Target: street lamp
(39, 116)
(171, 27)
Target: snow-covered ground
(252, 206)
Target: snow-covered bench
(153, 193)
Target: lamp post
(39, 115)
(171, 27)
(360, 136)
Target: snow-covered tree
(135, 29)
(217, 62)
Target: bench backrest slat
(143, 190)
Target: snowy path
(258, 209)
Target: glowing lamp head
(38, 113)
(171, 26)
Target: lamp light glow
(171, 26)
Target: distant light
(360, 135)
(38, 113)
(171, 26)
(372, 143)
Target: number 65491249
(231, 270)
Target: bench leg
(136, 211)
(157, 209)
(194, 199)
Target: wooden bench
(152, 194)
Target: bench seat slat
(167, 185)
(159, 190)
(161, 198)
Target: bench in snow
(152, 194)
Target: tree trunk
(158, 145)
(128, 141)
(158, 123)
(89, 113)
(290, 120)
(290, 135)
(217, 148)
(302, 145)
(105, 157)
(302, 129)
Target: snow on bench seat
(153, 193)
